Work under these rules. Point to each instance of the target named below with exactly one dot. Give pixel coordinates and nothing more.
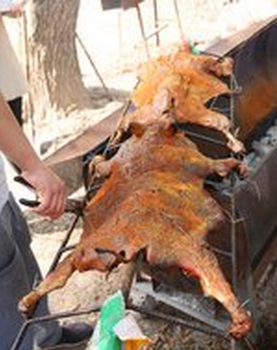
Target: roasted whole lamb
(153, 200)
(191, 80)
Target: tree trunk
(56, 87)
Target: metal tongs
(72, 205)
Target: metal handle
(29, 203)
(23, 182)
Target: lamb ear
(137, 128)
(162, 102)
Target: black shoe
(75, 333)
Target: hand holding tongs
(72, 205)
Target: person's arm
(15, 145)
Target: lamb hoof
(26, 305)
(241, 326)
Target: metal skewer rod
(29, 322)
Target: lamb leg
(223, 167)
(56, 279)
(220, 122)
(215, 285)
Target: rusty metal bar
(204, 137)
(157, 31)
(233, 202)
(28, 323)
(64, 243)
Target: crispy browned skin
(153, 200)
(191, 82)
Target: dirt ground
(122, 56)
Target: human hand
(50, 190)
